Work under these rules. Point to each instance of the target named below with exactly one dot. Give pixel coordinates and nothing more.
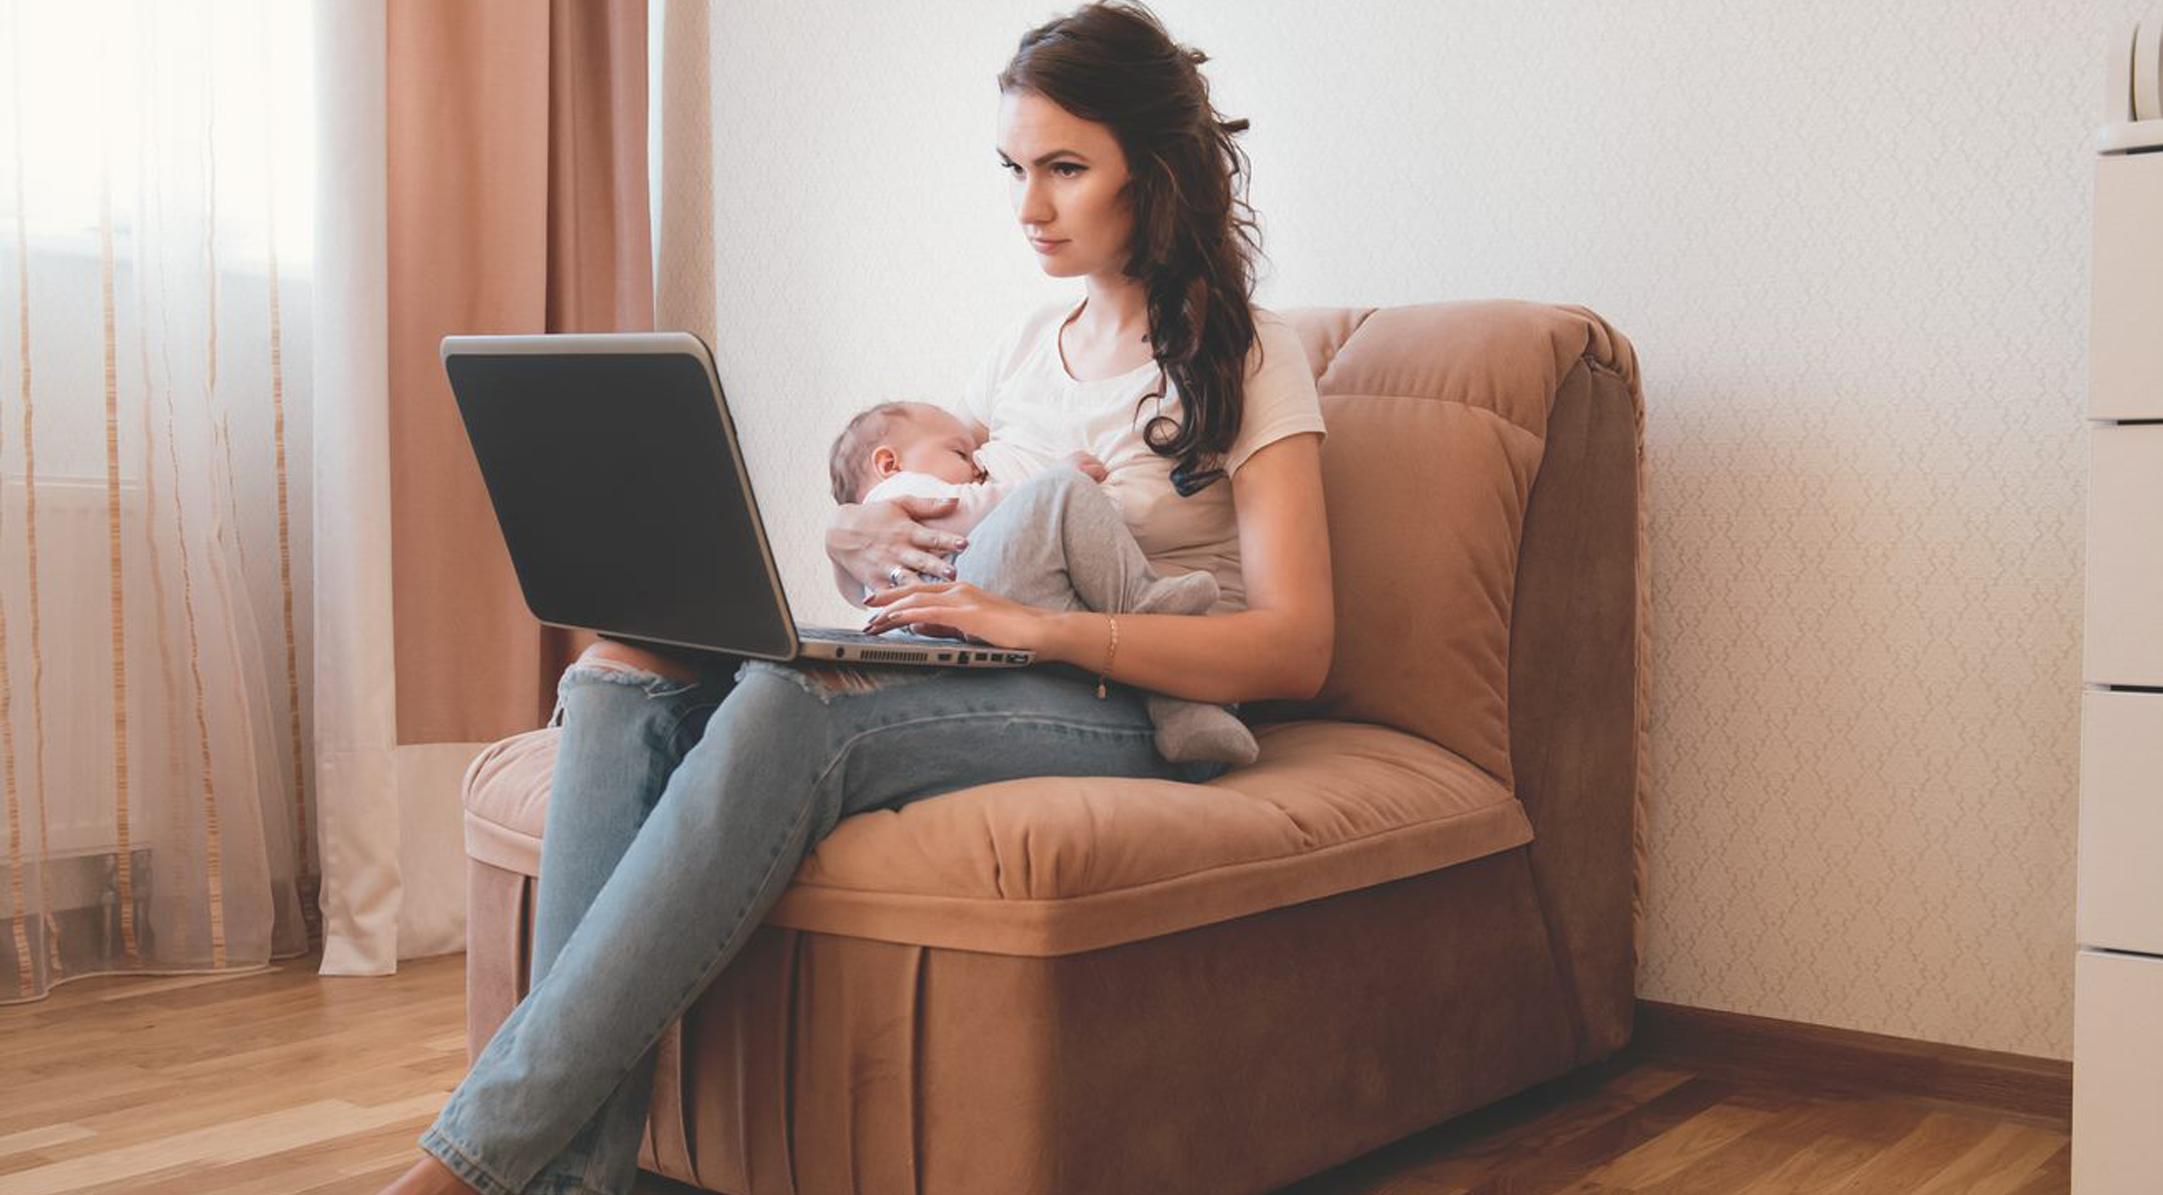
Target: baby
(1052, 540)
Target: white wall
(1850, 243)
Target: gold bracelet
(1111, 649)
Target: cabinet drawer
(2121, 822)
(2117, 1074)
(2125, 355)
(2122, 642)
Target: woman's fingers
(934, 630)
(920, 622)
(938, 541)
(931, 560)
(926, 565)
(910, 605)
(920, 509)
(899, 592)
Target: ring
(894, 575)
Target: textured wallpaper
(1850, 242)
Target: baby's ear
(885, 461)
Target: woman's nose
(1032, 205)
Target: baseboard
(1798, 1054)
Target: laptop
(620, 487)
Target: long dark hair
(1195, 237)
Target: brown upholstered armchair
(1420, 899)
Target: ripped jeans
(677, 815)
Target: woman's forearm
(1251, 655)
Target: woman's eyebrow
(1047, 158)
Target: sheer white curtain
(154, 487)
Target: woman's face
(1069, 181)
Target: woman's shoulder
(1280, 395)
(1279, 358)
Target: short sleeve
(1281, 398)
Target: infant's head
(901, 437)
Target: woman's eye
(1063, 169)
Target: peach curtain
(517, 202)
(484, 170)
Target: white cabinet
(2117, 1073)
(2118, 968)
(2121, 822)
(2125, 327)
(2122, 639)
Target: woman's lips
(1043, 246)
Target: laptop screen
(620, 489)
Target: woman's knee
(599, 675)
(607, 654)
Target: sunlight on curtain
(155, 168)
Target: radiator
(75, 644)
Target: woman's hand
(959, 610)
(882, 542)
(1088, 464)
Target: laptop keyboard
(839, 635)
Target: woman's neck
(1116, 311)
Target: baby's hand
(1087, 464)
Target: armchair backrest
(1483, 472)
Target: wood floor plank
(38, 1138)
(1837, 1137)
(1462, 1151)
(1469, 1149)
(2053, 1177)
(1939, 1140)
(1722, 1170)
(348, 1160)
(1647, 1166)
(1998, 1164)
(235, 1140)
(1555, 1169)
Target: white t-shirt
(1038, 414)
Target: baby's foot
(1197, 730)
(1187, 593)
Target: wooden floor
(283, 1082)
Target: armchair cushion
(1057, 865)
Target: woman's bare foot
(428, 1177)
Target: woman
(683, 800)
